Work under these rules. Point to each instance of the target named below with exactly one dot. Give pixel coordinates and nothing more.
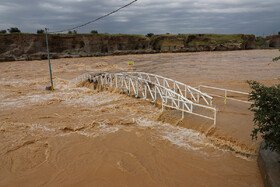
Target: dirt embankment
(33, 47)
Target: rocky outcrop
(33, 46)
(274, 41)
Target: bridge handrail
(187, 105)
(173, 92)
(184, 99)
(176, 82)
(226, 91)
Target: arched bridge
(170, 93)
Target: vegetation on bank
(214, 37)
(266, 109)
(10, 30)
(74, 44)
(193, 40)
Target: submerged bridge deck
(170, 93)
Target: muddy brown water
(79, 136)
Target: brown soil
(79, 136)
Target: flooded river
(79, 136)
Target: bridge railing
(170, 93)
(179, 87)
(227, 94)
(140, 86)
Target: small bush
(94, 32)
(260, 41)
(40, 31)
(150, 35)
(72, 32)
(266, 108)
(14, 30)
(3, 31)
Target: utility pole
(50, 65)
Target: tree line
(39, 31)
(42, 31)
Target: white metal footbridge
(170, 93)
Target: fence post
(215, 117)
(225, 97)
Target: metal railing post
(50, 65)
(225, 101)
(215, 117)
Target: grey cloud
(158, 16)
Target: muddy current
(79, 136)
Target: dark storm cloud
(158, 16)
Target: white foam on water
(94, 99)
(22, 101)
(101, 130)
(21, 82)
(143, 122)
(40, 127)
(107, 129)
(74, 97)
(183, 137)
(179, 136)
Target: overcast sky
(157, 16)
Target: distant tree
(40, 31)
(94, 32)
(14, 30)
(3, 31)
(150, 35)
(266, 109)
(167, 33)
(279, 33)
(72, 32)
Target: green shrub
(40, 31)
(3, 31)
(72, 32)
(266, 108)
(94, 32)
(14, 30)
(150, 35)
(260, 41)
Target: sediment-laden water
(79, 136)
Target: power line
(92, 21)
(79, 26)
